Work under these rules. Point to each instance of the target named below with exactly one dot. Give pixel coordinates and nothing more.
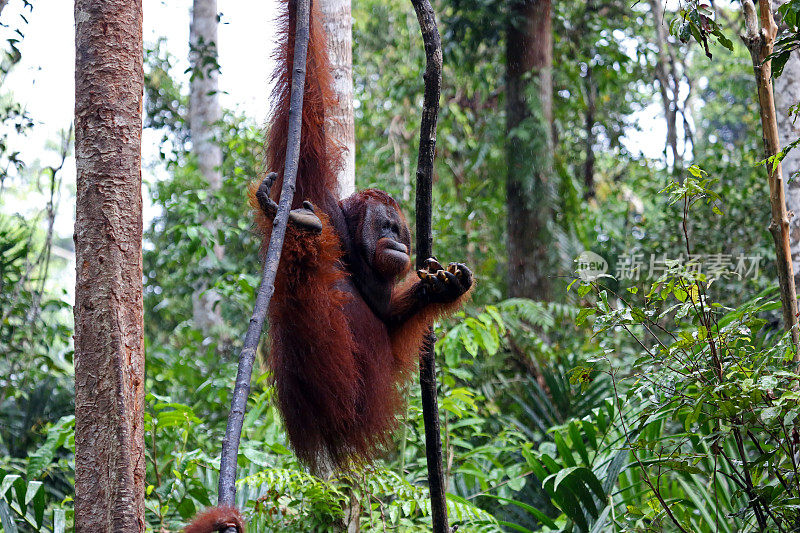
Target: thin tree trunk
(787, 94)
(424, 204)
(591, 107)
(760, 34)
(204, 107)
(339, 29)
(529, 187)
(109, 346)
(204, 112)
(667, 79)
(338, 23)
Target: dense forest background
(622, 365)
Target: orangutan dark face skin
(386, 239)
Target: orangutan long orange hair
(345, 327)
(217, 519)
(346, 323)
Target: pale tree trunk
(787, 94)
(109, 343)
(668, 80)
(339, 29)
(759, 38)
(204, 107)
(338, 23)
(529, 182)
(204, 112)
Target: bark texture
(759, 37)
(424, 203)
(787, 94)
(109, 349)
(339, 29)
(204, 112)
(529, 187)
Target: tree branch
(759, 37)
(427, 152)
(230, 444)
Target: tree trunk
(787, 94)
(204, 108)
(204, 112)
(109, 345)
(668, 82)
(529, 188)
(591, 108)
(759, 38)
(338, 24)
(339, 29)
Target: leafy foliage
(789, 40)
(708, 415)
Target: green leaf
(469, 342)
(723, 40)
(517, 527)
(577, 441)
(591, 481)
(564, 451)
(560, 476)
(540, 516)
(600, 522)
(769, 414)
(7, 482)
(680, 294)
(186, 508)
(44, 456)
(696, 171)
(583, 314)
(59, 521)
(681, 466)
(39, 507)
(6, 520)
(201, 494)
(32, 489)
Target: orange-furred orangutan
(217, 519)
(346, 321)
